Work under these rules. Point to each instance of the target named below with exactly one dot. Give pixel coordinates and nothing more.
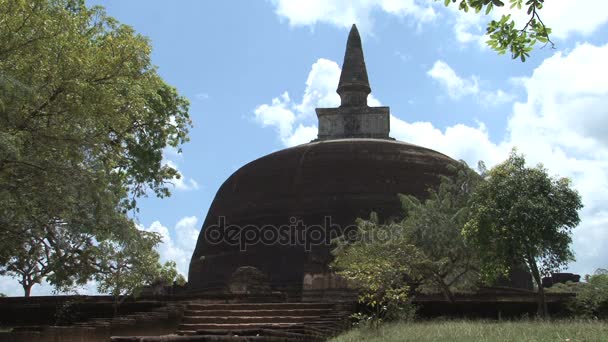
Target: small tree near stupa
(521, 214)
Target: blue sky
(255, 70)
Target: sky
(255, 70)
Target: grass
(564, 330)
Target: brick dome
(340, 179)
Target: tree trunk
(27, 289)
(447, 293)
(542, 302)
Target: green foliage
(447, 263)
(168, 274)
(504, 36)
(426, 249)
(592, 298)
(376, 265)
(526, 216)
(127, 266)
(84, 118)
(591, 301)
(68, 313)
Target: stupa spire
(354, 118)
(354, 85)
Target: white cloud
(277, 114)
(320, 89)
(186, 231)
(178, 245)
(290, 118)
(302, 135)
(470, 144)
(561, 124)
(565, 17)
(343, 13)
(182, 183)
(295, 121)
(495, 97)
(458, 87)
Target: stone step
(248, 319)
(262, 312)
(238, 326)
(208, 338)
(319, 326)
(258, 306)
(307, 334)
(305, 320)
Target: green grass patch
(560, 330)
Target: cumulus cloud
(277, 114)
(565, 17)
(292, 120)
(178, 243)
(295, 122)
(458, 87)
(343, 13)
(560, 124)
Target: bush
(592, 298)
(367, 317)
(68, 313)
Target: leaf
(489, 8)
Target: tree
(592, 299)
(127, 266)
(504, 36)
(446, 263)
(525, 216)
(49, 256)
(84, 119)
(377, 266)
(425, 249)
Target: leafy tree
(447, 263)
(425, 249)
(592, 299)
(521, 214)
(376, 264)
(84, 118)
(129, 265)
(49, 256)
(504, 36)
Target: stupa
(275, 216)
